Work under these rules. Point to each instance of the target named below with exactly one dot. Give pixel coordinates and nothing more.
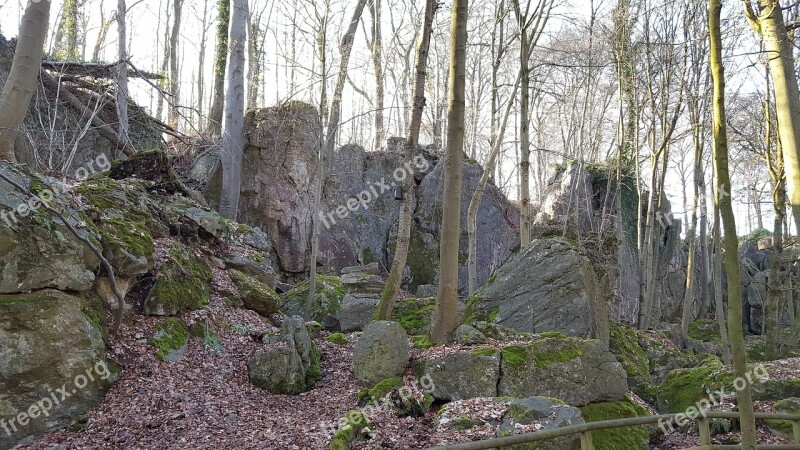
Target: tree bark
(174, 70)
(445, 318)
(21, 83)
(386, 303)
(377, 64)
(233, 140)
(66, 45)
(122, 75)
(731, 243)
(214, 126)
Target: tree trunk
(525, 146)
(719, 304)
(122, 75)
(688, 293)
(66, 45)
(174, 70)
(233, 140)
(731, 243)
(21, 82)
(214, 125)
(377, 64)
(770, 25)
(327, 150)
(386, 303)
(445, 319)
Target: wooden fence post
(586, 441)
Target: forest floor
(204, 401)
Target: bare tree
(122, 74)
(214, 125)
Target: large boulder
(183, 284)
(546, 414)
(575, 370)
(357, 312)
(292, 363)
(381, 353)
(36, 250)
(47, 344)
(549, 286)
(278, 178)
(327, 301)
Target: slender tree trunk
(122, 74)
(233, 141)
(214, 125)
(21, 82)
(731, 243)
(525, 146)
(719, 304)
(66, 45)
(386, 304)
(201, 63)
(688, 293)
(769, 23)
(327, 150)
(477, 196)
(174, 70)
(445, 318)
(377, 65)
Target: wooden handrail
(585, 429)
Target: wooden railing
(585, 431)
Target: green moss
(787, 406)
(256, 295)
(486, 351)
(628, 438)
(422, 262)
(705, 330)
(515, 356)
(386, 386)
(170, 336)
(355, 422)
(314, 372)
(327, 300)
(414, 314)
(183, 283)
(464, 422)
(339, 339)
(474, 312)
(133, 237)
(543, 352)
(624, 344)
(683, 388)
(421, 341)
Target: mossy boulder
(683, 388)
(352, 424)
(578, 371)
(547, 414)
(183, 284)
(624, 344)
(414, 314)
(785, 406)
(462, 375)
(46, 340)
(705, 331)
(327, 301)
(291, 364)
(338, 339)
(628, 438)
(380, 390)
(381, 352)
(170, 339)
(255, 295)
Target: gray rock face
(291, 365)
(356, 312)
(46, 343)
(278, 178)
(426, 290)
(462, 375)
(261, 270)
(35, 256)
(549, 286)
(469, 335)
(574, 370)
(380, 353)
(547, 413)
(362, 283)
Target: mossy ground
(339, 339)
(705, 330)
(627, 438)
(380, 390)
(171, 335)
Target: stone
(255, 295)
(372, 268)
(257, 239)
(362, 283)
(170, 339)
(381, 352)
(277, 193)
(426, 290)
(183, 284)
(260, 269)
(356, 312)
(209, 223)
(468, 335)
(327, 301)
(46, 342)
(36, 250)
(574, 370)
(414, 314)
(549, 286)
(462, 375)
(292, 363)
(549, 414)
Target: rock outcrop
(47, 343)
(292, 363)
(549, 286)
(380, 353)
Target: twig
(106, 265)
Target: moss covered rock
(628, 438)
(381, 352)
(462, 375)
(683, 388)
(170, 339)
(291, 365)
(352, 424)
(183, 284)
(548, 414)
(255, 295)
(786, 406)
(327, 301)
(46, 340)
(414, 314)
(338, 339)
